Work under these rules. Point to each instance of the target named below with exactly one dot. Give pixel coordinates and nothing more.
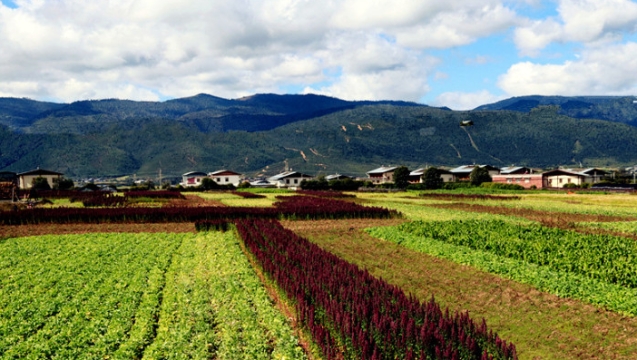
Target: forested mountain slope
(110, 137)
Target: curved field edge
(567, 285)
(201, 300)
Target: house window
(527, 180)
(218, 179)
(296, 181)
(509, 180)
(226, 179)
(569, 180)
(287, 181)
(518, 180)
(561, 180)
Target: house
(25, 179)
(559, 177)
(526, 180)
(595, 175)
(381, 175)
(515, 170)
(462, 173)
(415, 176)
(337, 177)
(192, 178)
(226, 177)
(288, 179)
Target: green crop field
(552, 273)
(130, 296)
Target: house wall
(558, 181)
(191, 180)
(448, 177)
(25, 181)
(525, 180)
(226, 179)
(382, 178)
(291, 182)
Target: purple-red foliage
(290, 207)
(309, 207)
(101, 199)
(352, 314)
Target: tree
(40, 183)
(431, 178)
(208, 184)
(63, 184)
(319, 184)
(401, 177)
(479, 175)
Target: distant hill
(263, 134)
(612, 108)
(206, 113)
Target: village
(11, 183)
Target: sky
(454, 53)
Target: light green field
(132, 296)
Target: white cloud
(585, 21)
(71, 49)
(466, 100)
(608, 70)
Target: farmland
(553, 275)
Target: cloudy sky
(455, 53)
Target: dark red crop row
(100, 199)
(311, 208)
(294, 207)
(352, 314)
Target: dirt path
(542, 326)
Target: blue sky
(457, 53)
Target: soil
(541, 325)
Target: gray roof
(39, 171)
(222, 171)
(468, 168)
(288, 174)
(382, 170)
(195, 173)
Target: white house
(381, 175)
(289, 179)
(25, 179)
(225, 177)
(558, 178)
(192, 178)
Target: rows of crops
(136, 296)
(352, 314)
(600, 269)
(297, 207)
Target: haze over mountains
(263, 134)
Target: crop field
(319, 275)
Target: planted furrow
(354, 315)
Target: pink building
(525, 180)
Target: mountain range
(264, 134)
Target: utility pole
(159, 178)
